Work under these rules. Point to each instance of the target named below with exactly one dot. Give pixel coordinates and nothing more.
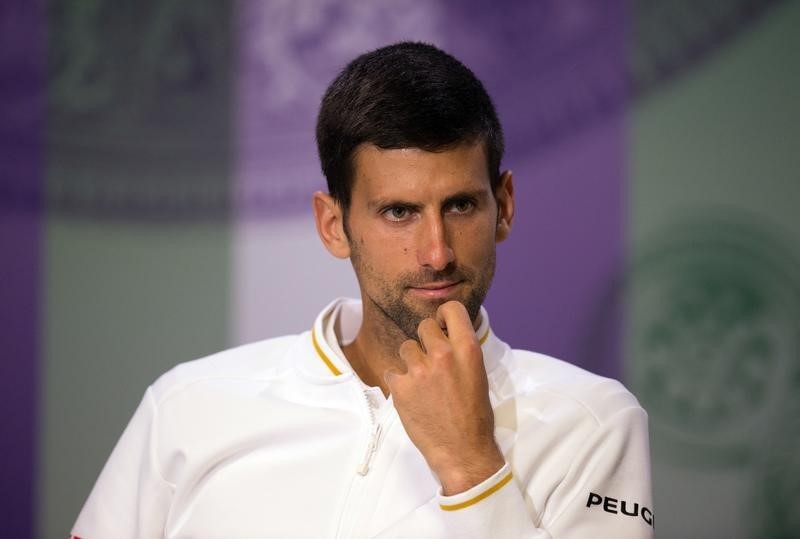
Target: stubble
(393, 300)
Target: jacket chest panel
(287, 491)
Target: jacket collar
(339, 323)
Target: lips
(437, 286)
(436, 290)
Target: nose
(433, 248)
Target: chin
(427, 307)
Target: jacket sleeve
(604, 493)
(607, 491)
(130, 498)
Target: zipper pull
(373, 446)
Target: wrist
(459, 475)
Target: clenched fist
(443, 400)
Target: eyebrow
(477, 194)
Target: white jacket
(280, 438)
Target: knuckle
(440, 354)
(416, 369)
(472, 347)
(395, 381)
(451, 306)
(426, 325)
(445, 308)
(407, 348)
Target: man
(402, 415)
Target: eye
(462, 206)
(397, 213)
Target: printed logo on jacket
(621, 507)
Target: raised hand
(443, 400)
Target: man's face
(422, 229)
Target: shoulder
(258, 361)
(548, 383)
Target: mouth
(436, 290)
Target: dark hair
(407, 95)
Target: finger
(431, 335)
(453, 315)
(390, 376)
(412, 355)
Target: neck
(375, 348)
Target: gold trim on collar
(485, 336)
(337, 372)
(321, 354)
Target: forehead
(412, 173)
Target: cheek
(478, 239)
(384, 255)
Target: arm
(605, 492)
(130, 498)
(443, 403)
(443, 400)
(611, 467)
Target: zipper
(375, 433)
(356, 491)
(374, 437)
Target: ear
(504, 195)
(330, 225)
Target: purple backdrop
(557, 72)
(553, 68)
(22, 63)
